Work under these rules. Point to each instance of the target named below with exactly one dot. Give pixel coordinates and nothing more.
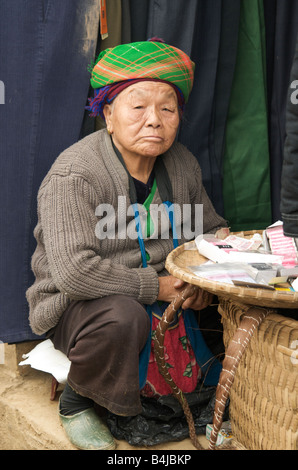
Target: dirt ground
(29, 419)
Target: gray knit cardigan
(71, 262)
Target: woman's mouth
(153, 138)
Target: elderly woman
(101, 284)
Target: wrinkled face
(143, 119)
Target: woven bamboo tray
(264, 396)
(186, 255)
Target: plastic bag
(163, 420)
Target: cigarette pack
(279, 244)
(224, 435)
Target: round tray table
(187, 255)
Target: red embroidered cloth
(180, 359)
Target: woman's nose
(153, 118)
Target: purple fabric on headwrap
(106, 94)
(97, 103)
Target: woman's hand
(170, 287)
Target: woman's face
(143, 119)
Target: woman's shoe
(86, 431)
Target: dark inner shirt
(143, 189)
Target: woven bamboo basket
(264, 395)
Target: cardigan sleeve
(73, 251)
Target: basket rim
(246, 295)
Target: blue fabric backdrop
(46, 47)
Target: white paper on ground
(46, 358)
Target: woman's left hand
(198, 301)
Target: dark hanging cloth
(281, 20)
(227, 55)
(139, 19)
(197, 131)
(46, 47)
(289, 179)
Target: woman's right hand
(170, 287)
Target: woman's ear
(107, 112)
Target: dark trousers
(103, 339)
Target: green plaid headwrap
(141, 60)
